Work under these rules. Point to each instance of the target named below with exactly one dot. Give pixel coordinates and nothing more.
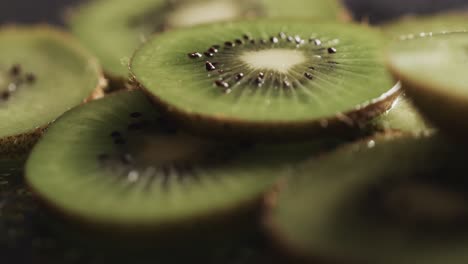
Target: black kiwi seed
(308, 75)
(213, 50)
(30, 78)
(116, 134)
(5, 95)
(194, 55)
(239, 41)
(317, 42)
(239, 76)
(290, 39)
(136, 114)
(126, 158)
(298, 40)
(274, 40)
(246, 37)
(216, 46)
(135, 126)
(119, 141)
(222, 84)
(229, 44)
(15, 70)
(261, 75)
(252, 41)
(103, 157)
(286, 83)
(312, 67)
(209, 54)
(209, 66)
(332, 50)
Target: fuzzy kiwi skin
(348, 124)
(285, 250)
(444, 110)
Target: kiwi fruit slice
(134, 172)
(389, 199)
(402, 116)
(35, 64)
(425, 24)
(266, 78)
(432, 70)
(113, 29)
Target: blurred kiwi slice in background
(388, 199)
(427, 24)
(43, 73)
(432, 70)
(112, 29)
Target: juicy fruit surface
(266, 70)
(436, 62)
(129, 167)
(420, 25)
(403, 199)
(43, 73)
(112, 29)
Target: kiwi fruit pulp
(402, 116)
(134, 172)
(267, 78)
(389, 199)
(425, 24)
(35, 64)
(432, 70)
(113, 29)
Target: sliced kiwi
(266, 78)
(130, 171)
(421, 25)
(43, 73)
(113, 29)
(432, 70)
(403, 117)
(390, 199)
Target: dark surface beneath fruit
(52, 11)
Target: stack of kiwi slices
(251, 132)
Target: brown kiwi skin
(286, 252)
(427, 98)
(348, 124)
(18, 146)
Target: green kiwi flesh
(266, 77)
(390, 199)
(113, 29)
(132, 171)
(421, 25)
(403, 117)
(432, 71)
(43, 73)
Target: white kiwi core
(204, 12)
(278, 60)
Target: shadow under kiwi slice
(43, 73)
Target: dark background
(33, 11)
